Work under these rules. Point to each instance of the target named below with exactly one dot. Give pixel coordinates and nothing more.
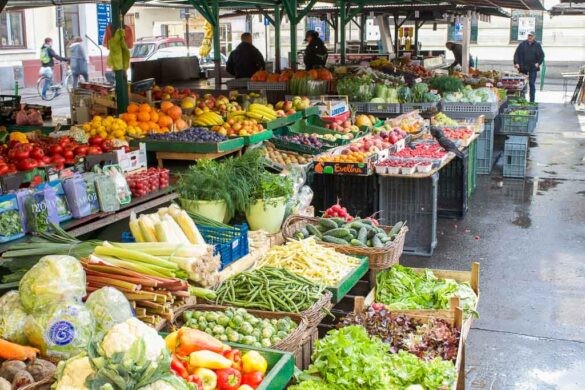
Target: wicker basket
(319, 310)
(379, 258)
(289, 344)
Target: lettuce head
(12, 318)
(109, 307)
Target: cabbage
(51, 280)
(109, 307)
(62, 330)
(12, 318)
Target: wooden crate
(305, 349)
(471, 277)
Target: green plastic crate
(350, 280)
(472, 168)
(190, 147)
(307, 112)
(256, 138)
(287, 120)
(293, 147)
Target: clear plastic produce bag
(12, 318)
(109, 307)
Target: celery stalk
(128, 254)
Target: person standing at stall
(245, 60)
(78, 61)
(527, 59)
(315, 52)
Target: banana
(236, 113)
(257, 116)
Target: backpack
(45, 57)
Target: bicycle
(54, 90)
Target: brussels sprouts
(218, 329)
(248, 340)
(211, 316)
(266, 342)
(246, 328)
(223, 320)
(233, 337)
(222, 337)
(267, 332)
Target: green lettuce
(12, 318)
(109, 307)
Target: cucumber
(367, 222)
(371, 233)
(355, 242)
(338, 232)
(339, 221)
(363, 235)
(359, 225)
(314, 231)
(335, 240)
(396, 228)
(298, 235)
(353, 232)
(376, 243)
(305, 232)
(327, 223)
(369, 243)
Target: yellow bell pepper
(208, 359)
(18, 136)
(171, 341)
(253, 361)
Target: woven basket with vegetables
(382, 244)
(277, 330)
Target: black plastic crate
(453, 190)
(359, 194)
(414, 201)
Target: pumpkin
(299, 74)
(272, 78)
(313, 74)
(260, 75)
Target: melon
(363, 120)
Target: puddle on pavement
(522, 218)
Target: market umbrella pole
(121, 78)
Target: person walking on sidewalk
(78, 61)
(527, 59)
(47, 64)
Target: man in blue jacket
(527, 59)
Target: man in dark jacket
(315, 52)
(245, 60)
(47, 64)
(527, 59)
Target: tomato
(37, 153)
(95, 140)
(59, 166)
(55, 149)
(107, 145)
(58, 159)
(63, 141)
(68, 154)
(27, 164)
(94, 150)
(4, 168)
(81, 150)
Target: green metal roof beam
(125, 6)
(254, 3)
(3, 4)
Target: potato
(10, 368)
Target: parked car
(148, 46)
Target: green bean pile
(269, 288)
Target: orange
(155, 127)
(143, 116)
(151, 125)
(165, 121)
(145, 108)
(131, 118)
(132, 107)
(175, 112)
(132, 123)
(144, 126)
(154, 116)
(166, 105)
(164, 129)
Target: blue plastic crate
(231, 244)
(515, 155)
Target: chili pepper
(208, 359)
(253, 361)
(236, 357)
(178, 368)
(252, 379)
(228, 379)
(191, 340)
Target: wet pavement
(529, 236)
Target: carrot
(12, 351)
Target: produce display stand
(350, 280)
(94, 222)
(281, 367)
(161, 156)
(231, 145)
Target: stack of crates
(453, 189)
(485, 149)
(515, 156)
(359, 194)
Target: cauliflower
(121, 337)
(73, 374)
(167, 383)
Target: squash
(325, 74)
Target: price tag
(418, 80)
(489, 85)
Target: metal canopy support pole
(277, 20)
(396, 27)
(121, 78)
(466, 42)
(291, 10)
(342, 23)
(417, 26)
(385, 38)
(3, 4)
(216, 43)
(363, 21)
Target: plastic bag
(91, 191)
(106, 191)
(34, 117)
(41, 209)
(59, 202)
(109, 307)
(122, 190)
(77, 197)
(53, 279)
(21, 117)
(62, 330)
(10, 220)
(12, 318)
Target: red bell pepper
(252, 379)
(236, 357)
(178, 367)
(191, 340)
(228, 379)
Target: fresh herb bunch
(425, 339)
(271, 186)
(446, 84)
(10, 223)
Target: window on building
(12, 29)
(70, 23)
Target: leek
(163, 249)
(128, 254)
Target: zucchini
(335, 240)
(355, 242)
(363, 235)
(314, 231)
(376, 243)
(338, 232)
(327, 223)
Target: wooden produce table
(186, 156)
(91, 223)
